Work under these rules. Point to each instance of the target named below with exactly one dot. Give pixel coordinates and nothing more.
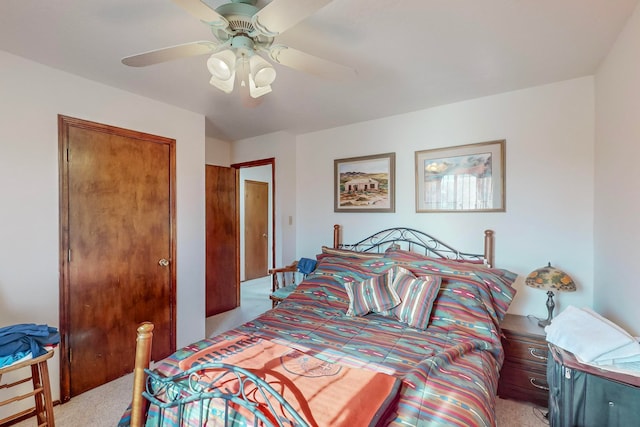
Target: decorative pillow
(417, 295)
(477, 307)
(344, 270)
(491, 287)
(349, 254)
(373, 295)
(463, 305)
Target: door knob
(264, 235)
(163, 262)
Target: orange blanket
(324, 394)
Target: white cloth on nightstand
(592, 338)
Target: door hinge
(70, 355)
(69, 255)
(67, 155)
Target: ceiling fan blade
(170, 53)
(301, 61)
(203, 12)
(280, 15)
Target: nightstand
(524, 373)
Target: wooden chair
(283, 282)
(41, 390)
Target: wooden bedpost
(336, 236)
(488, 247)
(143, 356)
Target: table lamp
(549, 278)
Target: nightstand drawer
(531, 379)
(525, 350)
(524, 383)
(524, 371)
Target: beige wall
(282, 147)
(549, 133)
(617, 177)
(31, 98)
(217, 152)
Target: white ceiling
(409, 54)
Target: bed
(397, 329)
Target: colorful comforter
(321, 392)
(449, 370)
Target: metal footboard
(216, 394)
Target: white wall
(617, 176)
(549, 182)
(31, 98)
(282, 147)
(217, 152)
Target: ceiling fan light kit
(253, 72)
(263, 73)
(241, 31)
(257, 91)
(224, 85)
(221, 64)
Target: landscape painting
(365, 184)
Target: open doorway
(255, 222)
(258, 171)
(252, 292)
(256, 228)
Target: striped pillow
(417, 295)
(373, 295)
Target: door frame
(64, 122)
(265, 162)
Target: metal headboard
(416, 241)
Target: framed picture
(365, 184)
(466, 178)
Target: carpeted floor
(254, 300)
(103, 406)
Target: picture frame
(464, 178)
(365, 184)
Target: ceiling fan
(241, 32)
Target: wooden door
(256, 231)
(117, 249)
(223, 247)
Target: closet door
(117, 249)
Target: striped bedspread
(449, 370)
